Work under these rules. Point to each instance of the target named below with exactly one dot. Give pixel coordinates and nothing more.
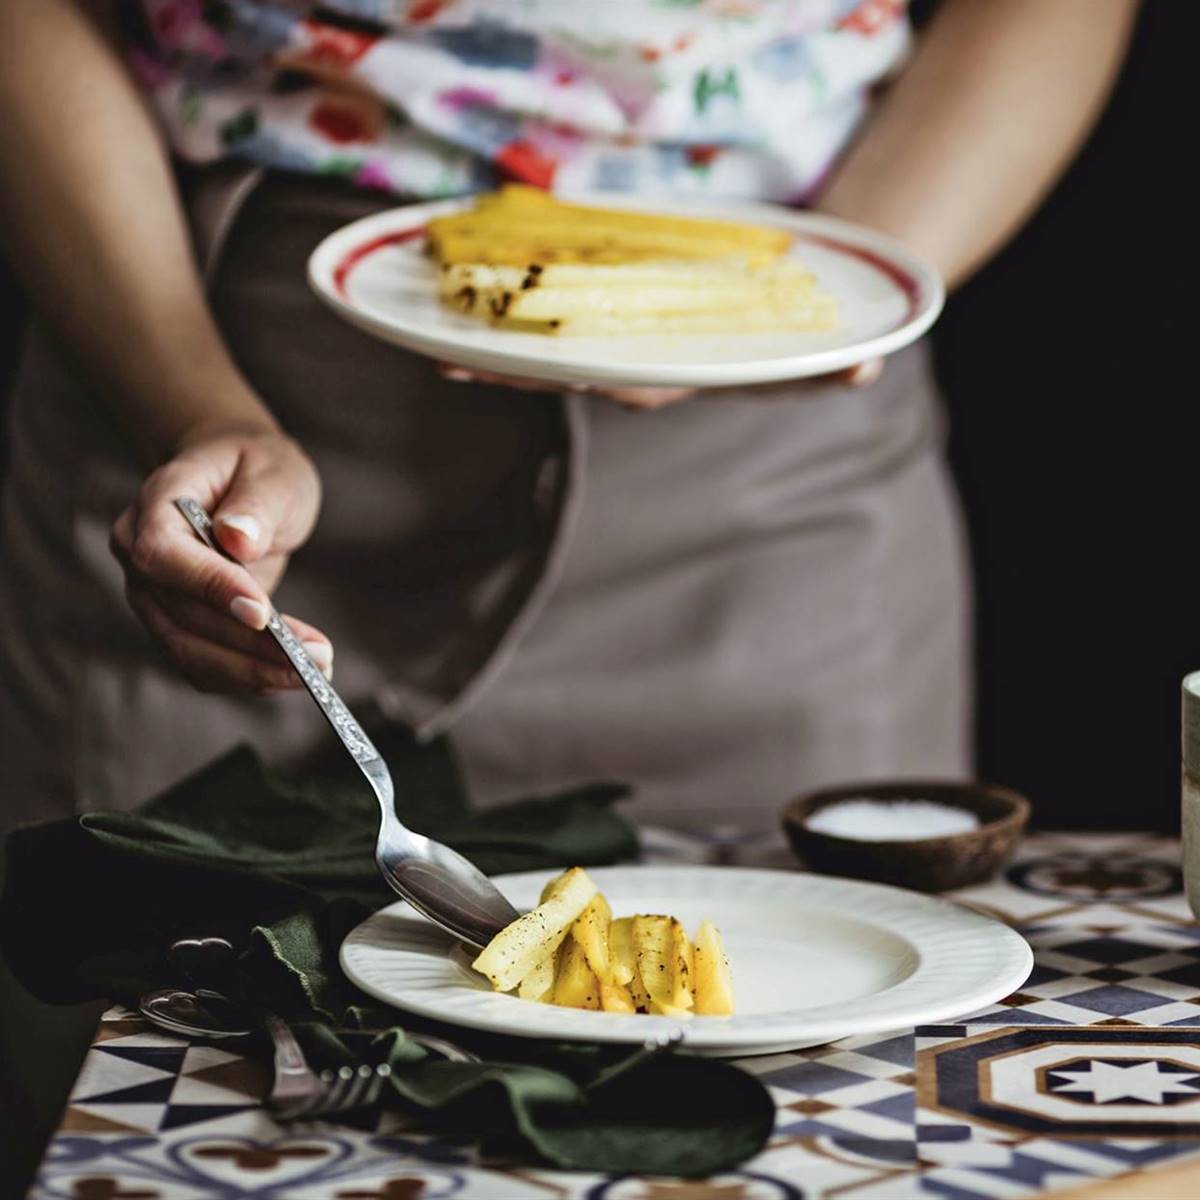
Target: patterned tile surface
(1092, 1070)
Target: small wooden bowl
(931, 864)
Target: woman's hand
(860, 375)
(209, 613)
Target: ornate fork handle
(321, 690)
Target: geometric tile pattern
(1090, 1071)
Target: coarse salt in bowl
(930, 836)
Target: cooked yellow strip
(641, 998)
(517, 949)
(519, 203)
(556, 885)
(559, 304)
(652, 947)
(618, 276)
(520, 253)
(616, 997)
(684, 964)
(591, 932)
(549, 241)
(670, 1010)
(506, 250)
(621, 957)
(575, 984)
(539, 983)
(714, 982)
(813, 316)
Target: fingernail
(456, 375)
(248, 527)
(249, 612)
(322, 654)
(866, 373)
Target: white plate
(814, 959)
(374, 273)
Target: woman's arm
(93, 227)
(999, 96)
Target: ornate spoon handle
(321, 690)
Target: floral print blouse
(738, 98)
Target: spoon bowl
(437, 881)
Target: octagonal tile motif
(1118, 1082)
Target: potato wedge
(624, 278)
(670, 1010)
(539, 983)
(526, 211)
(622, 961)
(684, 967)
(575, 983)
(810, 316)
(616, 997)
(666, 299)
(556, 885)
(638, 994)
(591, 932)
(714, 983)
(517, 949)
(655, 964)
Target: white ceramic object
(1191, 789)
(814, 959)
(375, 274)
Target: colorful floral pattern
(739, 98)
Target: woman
(744, 594)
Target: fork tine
(349, 1088)
(356, 1089)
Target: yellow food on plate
(519, 225)
(714, 980)
(519, 948)
(525, 261)
(570, 951)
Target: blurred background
(1075, 430)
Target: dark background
(1068, 368)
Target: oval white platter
(814, 959)
(375, 273)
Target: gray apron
(723, 603)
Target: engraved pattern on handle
(321, 690)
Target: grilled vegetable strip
(517, 949)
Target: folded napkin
(284, 871)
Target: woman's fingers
(519, 382)
(630, 397)
(206, 665)
(209, 612)
(199, 619)
(862, 374)
(154, 543)
(271, 502)
(647, 397)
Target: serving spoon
(437, 881)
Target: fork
(437, 881)
(299, 1093)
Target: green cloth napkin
(284, 871)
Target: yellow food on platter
(524, 260)
(570, 951)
